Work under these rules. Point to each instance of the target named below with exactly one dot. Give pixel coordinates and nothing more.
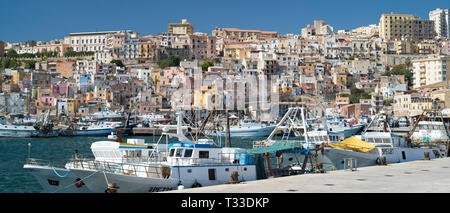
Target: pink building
(61, 89)
(47, 100)
(52, 46)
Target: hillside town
(398, 65)
(121, 111)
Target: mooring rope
(61, 176)
(77, 181)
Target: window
(212, 174)
(188, 153)
(179, 153)
(203, 154)
(172, 151)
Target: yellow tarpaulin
(353, 143)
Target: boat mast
(227, 138)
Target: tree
(206, 64)
(400, 70)
(117, 62)
(30, 64)
(12, 54)
(171, 61)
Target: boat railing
(148, 169)
(40, 162)
(221, 159)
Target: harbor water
(14, 152)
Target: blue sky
(44, 20)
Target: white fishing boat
(61, 179)
(99, 129)
(17, 131)
(246, 128)
(152, 117)
(107, 115)
(369, 148)
(187, 164)
(430, 131)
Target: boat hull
(56, 180)
(246, 132)
(190, 175)
(393, 155)
(18, 133)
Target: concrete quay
(424, 176)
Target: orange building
(65, 68)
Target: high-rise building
(397, 26)
(441, 20)
(182, 28)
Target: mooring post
(266, 154)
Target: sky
(45, 20)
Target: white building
(441, 22)
(430, 70)
(89, 41)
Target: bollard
(427, 155)
(383, 160)
(112, 188)
(234, 177)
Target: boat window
(378, 140)
(386, 140)
(212, 174)
(188, 153)
(179, 152)
(203, 154)
(172, 151)
(370, 140)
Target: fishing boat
(61, 179)
(246, 128)
(369, 148)
(339, 125)
(106, 114)
(94, 129)
(366, 149)
(187, 164)
(153, 118)
(430, 131)
(17, 131)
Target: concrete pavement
(425, 176)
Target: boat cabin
(135, 150)
(204, 153)
(382, 139)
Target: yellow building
(182, 28)
(397, 26)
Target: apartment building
(182, 28)
(430, 70)
(441, 20)
(65, 68)
(243, 35)
(89, 41)
(397, 26)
